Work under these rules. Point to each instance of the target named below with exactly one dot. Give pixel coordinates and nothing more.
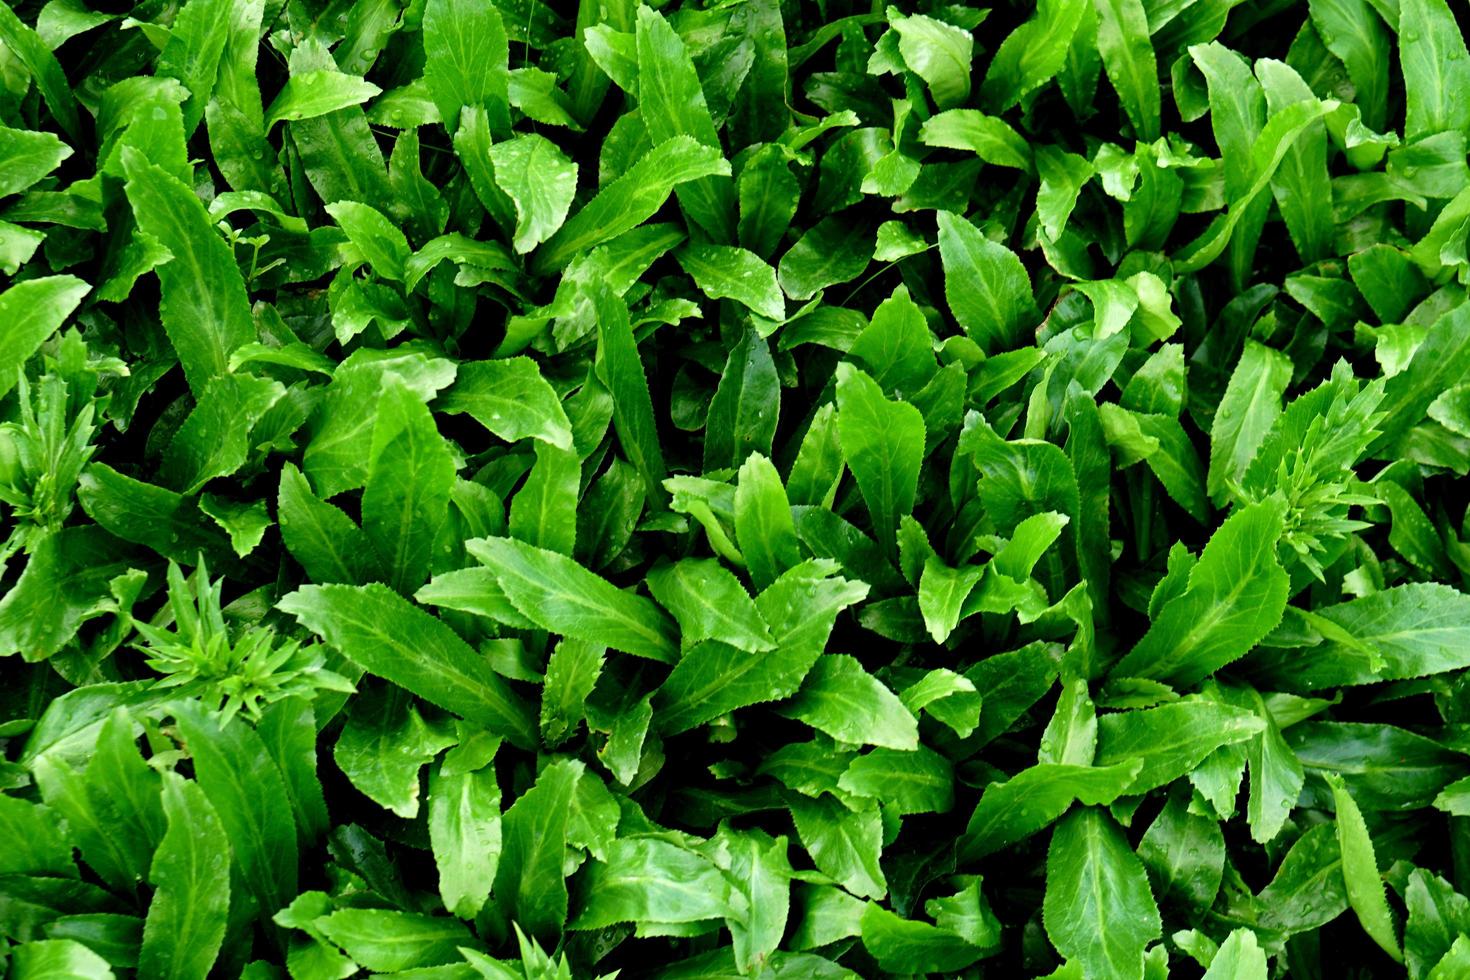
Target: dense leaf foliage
(766, 488)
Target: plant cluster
(734, 488)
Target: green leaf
(1403, 632)
(249, 796)
(828, 254)
(1360, 871)
(1128, 56)
(937, 52)
(191, 874)
(385, 940)
(710, 604)
(540, 181)
(1240, 958)
(920, 781)
(511, 399)
(672, 104)
(559, 595)
(622, 371)
(988, 137)
(745, 409)
(764, 528)
(902, 945)
(26, 157)
(465, 833)
(883, 443)
(1033, 53)
(57, 959)
(1030, 800)
(987, 288)
(387, 636)
(529, 882)
(1235, 596)
(384, 745)
(316, 93)
(544, 510)
(33, 53)
(631, 199)
(801, 608)
(205, 311)
(467, 65)
(942, 594)
(844, 844)
(1437, 916)
(1435, 64)
(571, 674)
(1184, 853)
(648, 881)
(1248, 409)
(379, 241)
(1172, 739)
(1098, 906)
(1353, 31)
(214, 440)
(34, 309)
(843, 700)
(323, 539)
(725, 272)
(1301, 186)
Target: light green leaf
(560, 595)
(1235, 597)
(726, 272)
(464, 832)
(764, 529)
(205, 311)
(1360, 871)
(883, 443)
(316, 93)
(1172, 739)
(26, 157)
(378, 239)
(388, 636)
(1128, 56)
(529, 883)
(33, 310)
(1098, 908)
(988, 290)
(468, 61)
(386, 940)
(1240, 958)
(406, 501)
(1436, 68)
(631, 199)
(191, 874)
(540, 181)
(710, 604)
(843, 700)
(845, 844)
(1031, 799)
(647, 880)
(921, 781)
(988, 137)
(511, 399)
(1407, 631)
(1247, 411)
(801, 608)
(937, 52)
